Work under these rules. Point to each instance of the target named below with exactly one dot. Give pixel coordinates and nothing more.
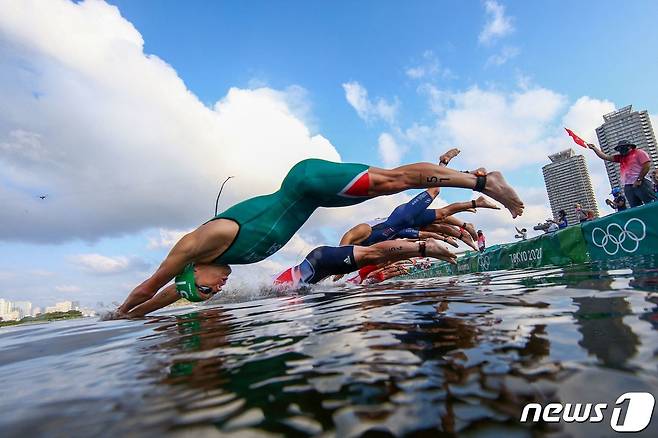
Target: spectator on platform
(581, 214)
(482, 244)
(562, 219)
(634, 165)
(618, 202)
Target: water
(459, 355)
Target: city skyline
(116, 134)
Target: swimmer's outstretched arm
(356, 235)
(180, 255)
(201, 245)
(165, 297)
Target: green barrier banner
(557, 249)
(631, 232)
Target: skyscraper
(626, 124)
(567, 183)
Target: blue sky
(131, 117)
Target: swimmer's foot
(495, 186)
(483, 202)
(447, 156)
(470, 228)
(468, 240)
(436, 249)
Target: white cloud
(498, 130)
(357, 96)
(428, 68)
(67, 288)
(166, 238)
(114, 136)
(503, 56)
(438, 99)
(40, 273)
(389, 151)
(6, 275)
(498, 24)
(100, 264)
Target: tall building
(5, 306)
(567, 183)
(626, 124)
(24, 308)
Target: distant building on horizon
(24, 308)
(567, 183)
(63, 306)
(626, 124)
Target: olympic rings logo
(615, 237)
(484, 261)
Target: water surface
(459, 355)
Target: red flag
(576, 139)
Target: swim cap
(616, 190)
(185, 284)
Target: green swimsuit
(268, 222)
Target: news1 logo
(638, 412)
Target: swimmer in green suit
(254, 229)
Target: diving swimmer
(324, 261)
(258, 227)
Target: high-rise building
(24, 308)
(626, 124)
(567, 183)
(5, 306)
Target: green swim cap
(185, 284)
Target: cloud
(493, 128)
(100, 264)
(115, 138)
(166, 239)
(389, 151)
(67, 288)
(7, 275)
(428, 68)
(501, 58)
(498, 24)
(357, 96)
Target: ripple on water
(446, 354)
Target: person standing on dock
(482, 244)
(562, 221)
(618, 202)
(634, 165)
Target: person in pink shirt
(482, 244)
(634, 165)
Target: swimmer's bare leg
(394, 250)
(444, 160)
(425, 175)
